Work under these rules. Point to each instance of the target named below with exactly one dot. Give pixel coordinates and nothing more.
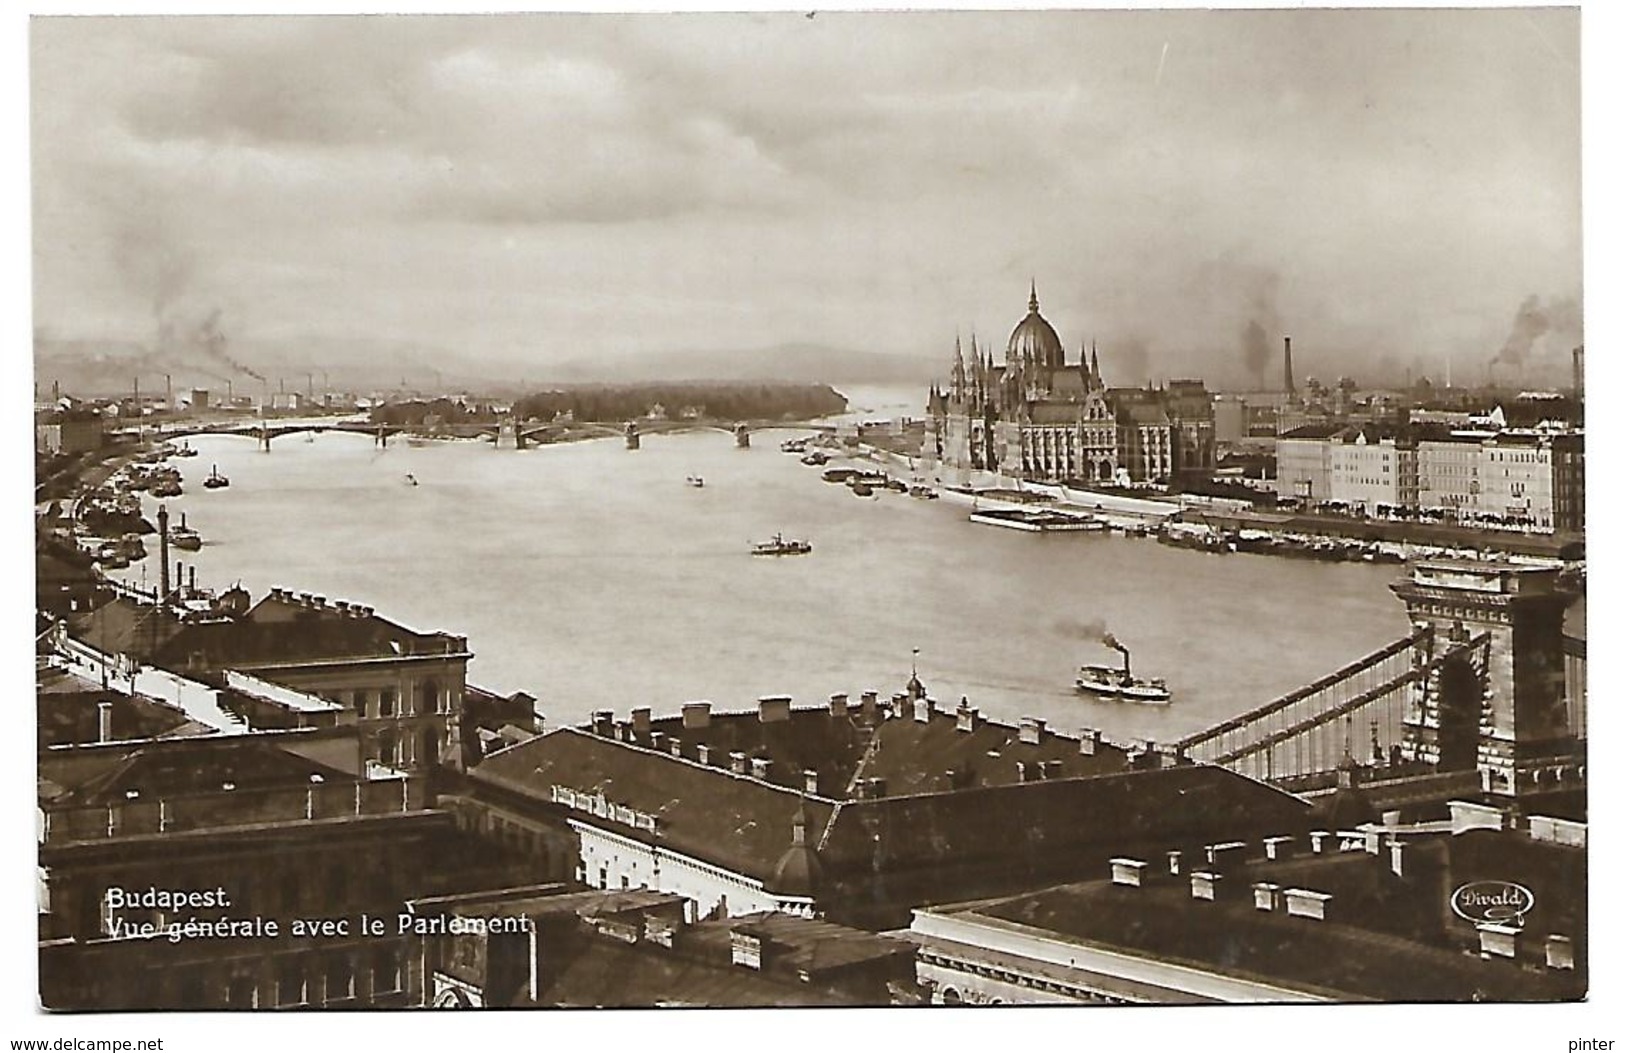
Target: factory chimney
(163, 556)
(1290, 390)
(1579, 372)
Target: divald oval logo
(1495, 901)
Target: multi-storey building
(1365, 463)
(1530, 478)
(404, 687)
(855, 812)
(1517, 477)
(232, 871)
(1035, 416)
(1372, 913)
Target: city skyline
(1398, 190)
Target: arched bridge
(511, 434)
(263, 431)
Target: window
(386, 973)
(361, 703)
(386, 702)
(242, 993)
(290, 983)
(340, 979)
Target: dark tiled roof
(739, 823)
(606, 974)
(912, 756)
(745, 825)
(274, 631)
(808, 945)
(69, 712)
(1313, 431)
(173, 768)
(1051, 411)
(1386, 938)
(1036, 822)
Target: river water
(594, 577)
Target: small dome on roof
(798, 871)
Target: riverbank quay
(1562, 546)
(983, 490)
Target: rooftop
(1386, 936)
(282, 629)
(932, 841)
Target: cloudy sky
(1388, 187)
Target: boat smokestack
(1111, 641)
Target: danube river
(594, 577)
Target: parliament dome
(1033, 340)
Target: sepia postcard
(808, 509)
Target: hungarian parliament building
(1034, 416)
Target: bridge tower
(742, 436)
(508, 435)
(632, 438)
(380, 437)
(1505, 713)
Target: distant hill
(255, 366)
(794, 362)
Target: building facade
(1483, 475)
(1035, 416)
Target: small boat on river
(215, 481)
(781, 546)
(1107, 681)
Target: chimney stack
(809, 781)
(1579, 372)
(1031, 730)
(1128, 871)
(640, 721)
(837, 704)
(696, 714)
(736, 763)
(773, 709)
(163, 555)
(1088, 742)
(603, 723)
(1289, 388)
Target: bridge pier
(265, 439)
(632, 438)
(381, 438)
(741, 436)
